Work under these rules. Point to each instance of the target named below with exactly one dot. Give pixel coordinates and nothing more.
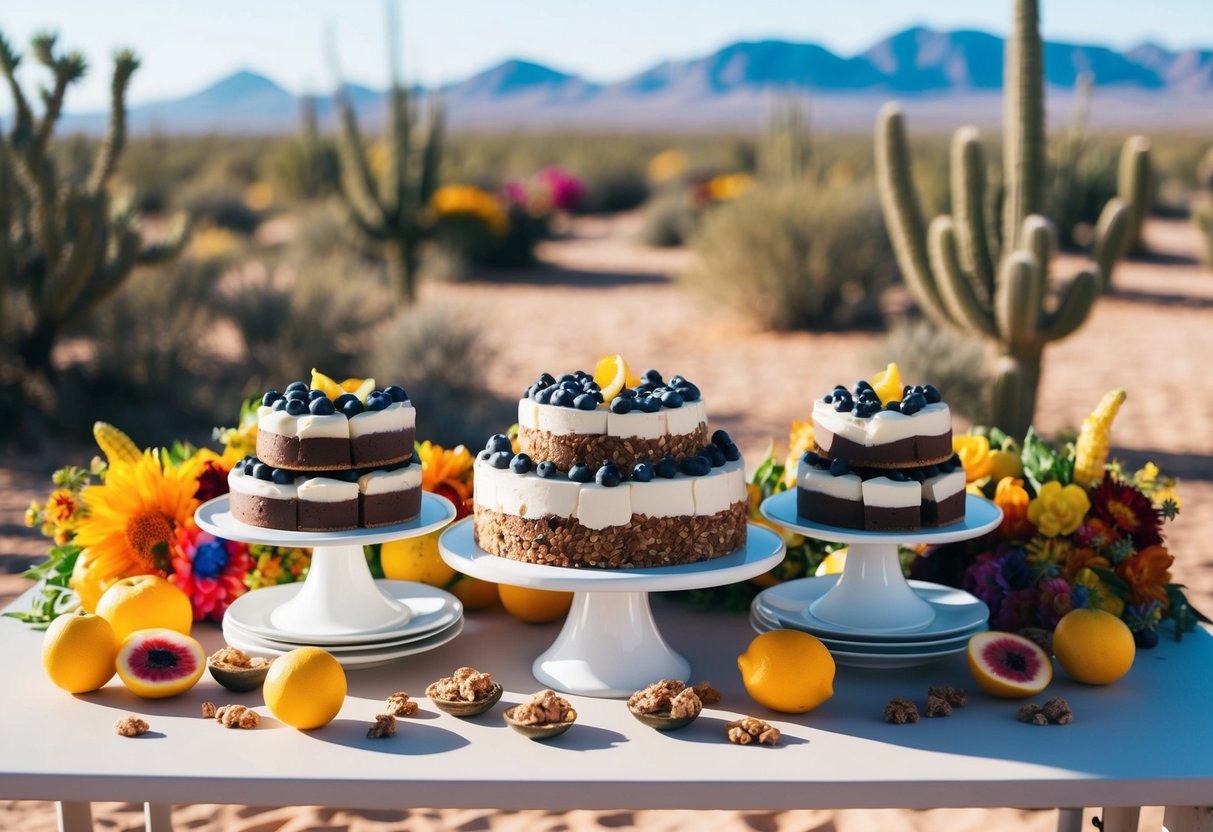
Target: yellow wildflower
(666, 165)
(729, 186)
(1101, 596)
(974, 453)
(800, 439)
(1059, 510)
(470, 201)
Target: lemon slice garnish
(325, 384)
(887, 384)
(611, 374)
(360, 387)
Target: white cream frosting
(882, 492)
(599, 507)
(563, 421)
(528, 413)
(394, 417)
(940, 487)
(685, 419)
(601, 421)
(333, 426)
(243, 483)
(327, 490)
(885, 426)
(277, 421)
(387, 482)
(638, 425)
(846, 487)
(664, 498)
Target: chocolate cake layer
(946, 511)
(328, 517)
(264, 512)
(321, 453)
(644, 542)
(911, 452)
(389, 447)
(899, 519)
(389, 509)
(828, 509)
(594, 449)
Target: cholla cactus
(1091, 449)
(64, 246)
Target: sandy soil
(603, 294)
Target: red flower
(212, 481)
(1127, 511)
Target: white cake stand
(339, 596)
(872, 595)
(609, 645)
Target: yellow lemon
(833, 563)
(788, 671)
(78, 651)
(611, 374)
(145, 602)
(1094, 646)
(415, 559)
(474, 593)
(305, 688)
(1005, 464)
(360, 387)
(325, 384)
(534, 606)
(887, 384)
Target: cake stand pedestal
(339, 596)
(610, 645)
(872, 595)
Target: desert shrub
(156, 166)
(669, 220)
(218, 203)
(320, 233)
(441, 354)
(1078, 192)
(930, 354)
(795, 257)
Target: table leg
(1188, 819)
(1121, 818)
(74, 816)
(1069, 820)
(158, 817)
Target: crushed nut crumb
(1030, 712)
(1054, 712)
(208, 710)
(899, 711)
(130, 726)
(543, 708)
(656, 698)
(750, 729)
(686, 704)
(937, 706)
(232, 657)
(953, 696)
(399, 704)
(707, 694)
(464, 685)
(236, 716)
(384, 726)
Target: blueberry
(315, 394)
(862, 385)
(563, 397)
(520, 464)
(352, 407)
(913, 403)
(546, 380)
(731, 452)
(841, 388)
(688, 391)
(906, 389)
(621, 405)
(263, 472)
(644, 389)
(643, 472)
(721, 437)
(378, 401)
(571, 386)
(585, 401)
(342, 400)
(827, 398)
(582, 375)
(608, 476)
(651, 376)
(296, 407)
(715, 454)
(280, 404)
(270, 397)
(563, 377)
(298, 393)
(628, 393)
(676, 380)
(580, 473)
(349, 475)
(589, 385)
(671, 398)
(547, 470)
(930, 471)
(839, 467)
(666, 468)
(544, 394)
(696, 466)
(843, 405)
(1145, 638)
(397, 393)
(322, 407)
(897, 475)
(931, 394)
(649, 404)
(811, 459)
(296, 385)
(245, 466)
(893, 405)
(501, 459)
(282, 476)
(868, 394)
(916, 474)
(865, 410)
(484, 455)
(499, 442)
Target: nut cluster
(130, 726)
(940, 702)
(383, 726)
(749, 730)
(543, 708)
(464, 685)
(399, 704)
(231, 716)
(1054, 712)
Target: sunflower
(131, 520)
(1128, 511)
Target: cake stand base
(872, 595)
(610, 647)
(339, 597)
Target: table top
(1143, 741)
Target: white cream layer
(597, 507)
(388, 482)
(396, 416)
(327, 490)
(562, 421)
(243, 483)
(938, 488)
(882, 492)
(884, 427)
(846, 487)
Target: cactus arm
(109, 276)
(1039, 237)
(955, 287)
(72, 273)
(968, 205)
(398, 138)
(432, 159)
(1134, 187)
(66, 71)
(125, 64)
(23, 121)
(1023, 123)
(1077, 297)
(1017, 302)
(1111, 234)
(359, 186)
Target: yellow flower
(800, 439)
(1059, 510)
(132, 517)
(1146, 476)
(1049, 552)
(259, 195)
(974, 452)
(666, 165)
(468, 200)
(729, 186)
(240, 441)
(211, 243)
(1102, 597)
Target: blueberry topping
(585, 401)
(322, 407)
(263, 472)
(862, 385)
(563, 397)
(893, 405)
(520, 464)
(296, 407)
(280, 404)
(653, 377)
(245, 466)
(688, 391)
(644, 388)
(721, 437)
(898, 476)
(839, 467)
(731, 452)
(397, 393)
(499, 442)
(843, 405)
(867, 409)
(582, 375)
(270, 397)
(544, 394)
(501, 459)
(913, 403)
(827, 398)
(299, 393)
(917, 474)
(931, 394)
(811, 459)
(352, 408)
(666, 468)
(296, 385)
(547, 470)
(643, 472)
(696, 466)
(671, 398)
(628, 393)
(649, 404)
(485, 455)
(715, 454)
(580, 473)
(282, 476)
(608, 476)
(621, 405)
(315, 394)
(906, 389)
(571, 386)
(349, 475)
(546, 380)
(566, 377)
(345, 398)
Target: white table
(1145, 741)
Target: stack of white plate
(436, 618)
(958, 615)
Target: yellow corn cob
(115, 444)
(1091, 449)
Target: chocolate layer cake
(879, 500)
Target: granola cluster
(673, 698)
(749, 730)
(937, 706)
(399, 704)
(383, 726)
(1054, 712)
(940, 702)
(543, 708)
(900, 711)
(130, 726)
(953, 696)
(464, 685)
(234, 658)
(232, 716)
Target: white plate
(981, 516)
(354, 660)
(431, 609)
(759, 617)
(956, 611)
(890, 660)
(353, 647)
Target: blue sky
(186, 45)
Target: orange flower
(1012, 498)
(61, 507)
(1147, 572)
(448, 473)
(1081, 558)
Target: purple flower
(1015, 571)
(984, 579)
(1054, 601)
(514, 192)
(1016, 611)
(566, 190)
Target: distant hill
(941, 77)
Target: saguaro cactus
(388, 213)
(985, 277)
(1135, 186)
(65, 246)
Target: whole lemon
(145, 602)
(534, 606)
(415, 559)
(473, 592)
(1094, 646)
(78, 651)
(305, 688)
(788, 671)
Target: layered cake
(611, 475)
(330, 457)
(882, 459)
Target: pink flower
(1054, 600)
(1016, 611)
(210, 571)
(514, 192)
(566, 190)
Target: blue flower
(210, 559)
(1015, 571)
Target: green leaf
(1039, 460)
(1112, 581)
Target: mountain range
(939, 76)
